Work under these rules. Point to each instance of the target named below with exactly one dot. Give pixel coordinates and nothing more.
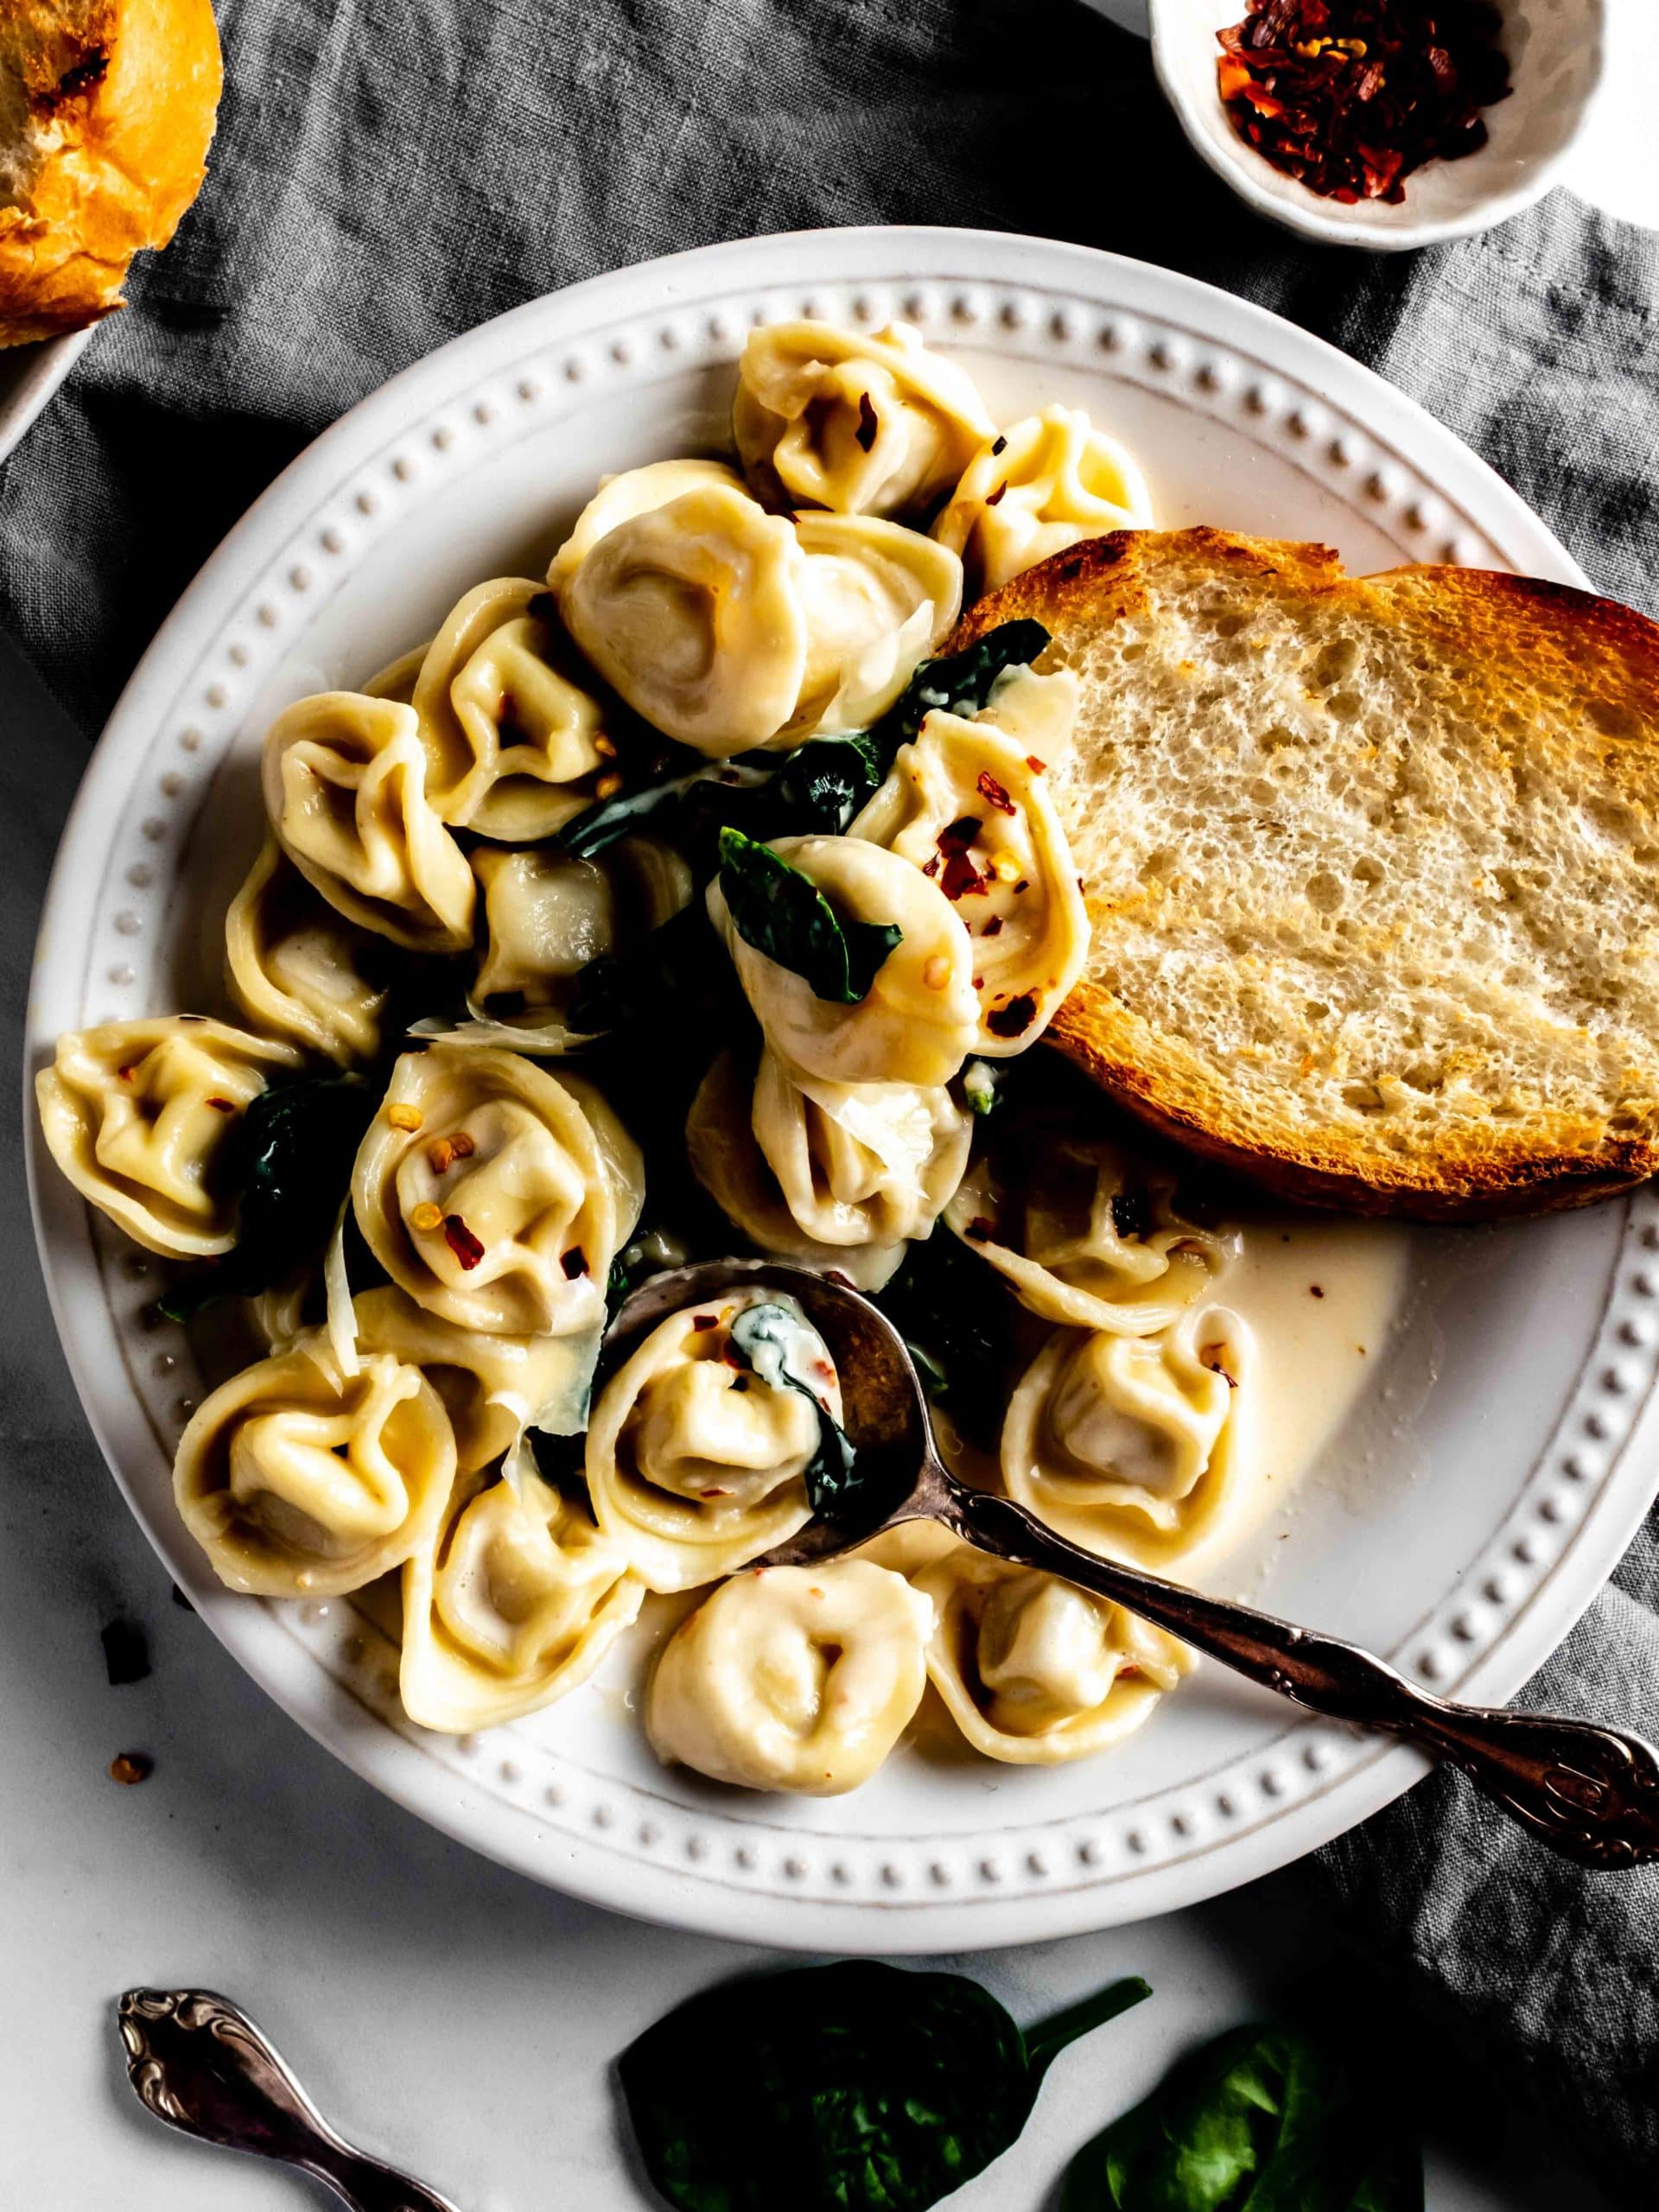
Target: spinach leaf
(815, 790)
(852, 2087)
(764, 1338)
(1263, 2119)
(824, 784)
(960, 683)
(958, 1322)
(602, 825)
(288, 1164)
(784, 914)
(671, 965)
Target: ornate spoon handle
(1592, 1792)
(201, 2064)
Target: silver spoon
(200, 2063)
(1592, 1792)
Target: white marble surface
(442, 2010)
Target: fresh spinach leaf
(960, 683)
(822, 785)
(1263, 2119)
(852, 2087)
(784, 914)
(288, 1164)
(765, 1338)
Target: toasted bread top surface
(1372, 865)
(107, 111)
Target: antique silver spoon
(1592, 1792)
(200, 2063)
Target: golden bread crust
(120, 114)
(1524, 640)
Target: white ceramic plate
(1460, 1522)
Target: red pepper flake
(574, 1263)
(1000, 447)
(128, 1767)
(980, 1229)
(705, 1320)
(1013, 1019)
(127, 1073)
(993, 793)
(1350, 97)
(1023, 885)
(714, 1491)
(867, 421)
(992, 498)
(1037, 767)
(930, 867)
(960, 879)
(223, 1105)
(1316, 1290)
(993, 927)
(461, 1242)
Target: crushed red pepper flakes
(993, 793)
(999, 446)
(993, 498)
(960, 879)
(980, 1229)
(993, 928)
(128, 1767)
(1037, 767)
(223, 1105)
(705, 1320)
(461, 1242)
(1013, 1019)
(1349, 97)
(868, 422)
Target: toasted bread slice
(1372, 864)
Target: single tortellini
(859, 423)
(918, 1021)
(495, 1195)
(297, 966)
(731, 628)
(297, 1481)
(1049, 482)
(695, 1466)
(1083, 1235)
(547, 915)
(692, 611)
(1132, 1447)
(878, 599)
(1035, 1671)
(836, 1175)
(493, 1386)
(345, 787)
(137, 1115)
(512, 1604)
(515, 741)
(975, 814)
(792, 1678)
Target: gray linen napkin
(390, 172)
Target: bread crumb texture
(106, 112)
(1371, 865)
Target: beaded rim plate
(1466, 1513)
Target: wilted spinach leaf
(784, 914)
(1263, 2119)
(853, 2087)
(288, 1164)
(764, 1338)
(960, 683)
(958, 1323)
(824, 784)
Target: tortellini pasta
(547, 915)
(836, 1175)
(792, 1678)
(861, 424)
(512, 1604)
(297, 1481)
(345, 786)
(493, 1386)
(494, 1194)
(974, 813)
(1130, 1446)
(918, 1020)
(515, 742)
(1035, 1671)
(695, 1464)
(1049, 482)
(1080, 1238)
(730, 628)
(137, 1116)
(295, 966)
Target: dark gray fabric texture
(390, 172)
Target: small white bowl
(1555, 49)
